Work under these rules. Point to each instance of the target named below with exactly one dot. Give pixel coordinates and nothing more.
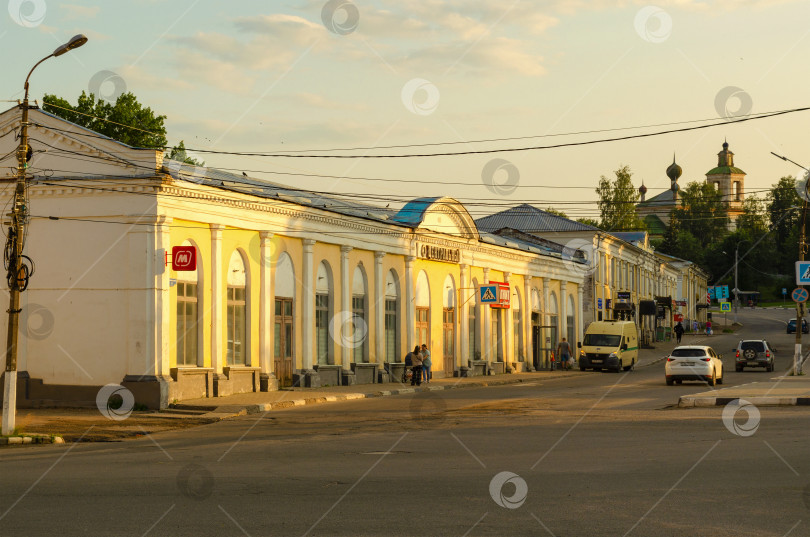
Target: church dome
(642, 189)
(674, 171)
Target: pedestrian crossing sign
(725, 306)
(488, 294)
(802, 272)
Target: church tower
(730, 182)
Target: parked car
(754, 353)
(791, 326)
(694, 362)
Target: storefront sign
(437, 253)
(504, 295)
(184, 258)
(623, 295)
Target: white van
(609, 345)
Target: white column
(486, 322)
(578, 315)
(563, 310)
(379, 309)
(217, 296)
(463, 309)
(527, 318)
(544, 319)
(163, 331)
(266, 305)
(410, 334)
(345, 303)
(509, 326)
(308, 328)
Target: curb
(31, 439)
(693, 402)
(232, 411)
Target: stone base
(348, 378)
(395, 370)
(465, 371)
(236, 379)
(479, 368)
(382, 376)
(191, 383)
(151, 391)
(365, 373)
(268, 382)
(307, 378)
(330, 374)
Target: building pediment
(63, 149)
(442, 215)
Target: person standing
(564, 352)
(678, 332)
(426, 363)
(416, 360)
(708, 328)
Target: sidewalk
(778, 391)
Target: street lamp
(18, 272)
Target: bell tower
(730, 182)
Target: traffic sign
(725, 306)
(784, 291)
(799, 294)
(721, 291)
(488, 294)
(802, 272)
(711, 292)
(599, 303)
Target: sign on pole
(488, 294)
(802, 272)
(725, 306)
(799, 294)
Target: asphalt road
(593, 454)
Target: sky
(315, 75)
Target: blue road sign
(711, 292)
(802, 272)
(488, 294)
(784, 291)
(721, 291)
(599, 303)
(725, 306)
(799, 294)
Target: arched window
(517, 319)
(284, 325)
(570, 320)
(449, 325)
(359, 324)
(422, 310)
(392, 317)
(237, 350)
(552, 319)
(323, 312)
(188, 326)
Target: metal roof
(530, 219)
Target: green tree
(126, 121)
(754, 220)
(589, 222)
(784, 221)
(701, 212)
(556, 212)
(617, 202)
(178, 152)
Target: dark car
(791, 326)
(754, 353)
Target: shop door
(422, 327)
(449, 334)
(283, 342)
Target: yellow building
(289, 287)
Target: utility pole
(736, 288)
(18, 272)
(797, 355)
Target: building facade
(289, 286)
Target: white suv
(694, 362)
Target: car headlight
(613, 355)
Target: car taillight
(670, 359)
(738, 354)
(705, 359)
(767, 354)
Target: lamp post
(18, 272)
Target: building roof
(667, 197)
(655, 225)
(725, 170)
(528, 218)
(630, 236)
(413, 212)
